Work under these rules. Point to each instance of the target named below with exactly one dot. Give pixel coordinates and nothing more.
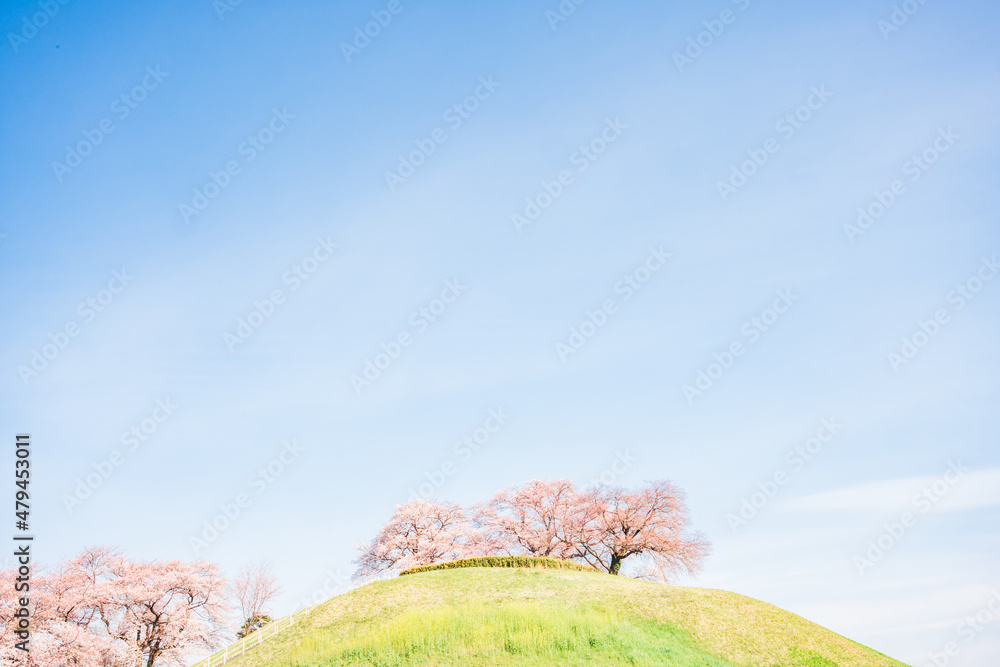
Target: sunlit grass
(540, 617)
(534, 635)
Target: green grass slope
(546, 617)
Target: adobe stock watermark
(787, 126)
(752, 329)
(562, 12)
(927, 329)
(914, 168)
(582, 158)
(620, 465)
(463, 449)
(420, 320)
(899, 17)
(381, 18)
(796, 458)
(454, 116)
(968, 629)
(923, 502)
(335, 583)
(137, 435)
(265, 307)
(714, 28)
(248, 149)
(31, 24)
(88, 310)
(122, 106)
(259, 482)
(594, 320)
(223, 7)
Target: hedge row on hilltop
(502, 561)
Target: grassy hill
(546, 617)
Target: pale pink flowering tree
(650, 523)
(419, 532)
(603, 527)
(65, 628)
(163, 610)
(539, 518)
(102, 610)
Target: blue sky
(329, 128)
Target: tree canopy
(602, 527)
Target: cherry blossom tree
(102, 610)
(65, 627)
(163, 610)
(538, 518)
(419, 532)
(255, 588)
(602, 527)
(651, 523)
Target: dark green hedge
(502, 561)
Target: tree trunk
(616, 564)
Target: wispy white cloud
(976, 489)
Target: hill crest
(494, 616)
